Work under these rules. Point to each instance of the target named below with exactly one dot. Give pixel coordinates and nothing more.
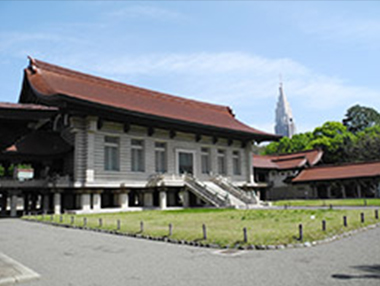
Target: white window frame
(177, 151)
(236, 162)
(208, 154)
(224, 156)
(113, 145)
(141, 168)
(164, 156)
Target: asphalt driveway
(76, 257)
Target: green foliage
(359, 118)
(338, 143)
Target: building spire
(285, 125)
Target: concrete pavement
(74, 257)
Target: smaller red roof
(288, 161)
(346, 171)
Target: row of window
(112, 161)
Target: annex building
(87, 144)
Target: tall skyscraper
(285, 125)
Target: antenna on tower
(280, 78)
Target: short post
(100, 222)
(300, 232)
(323, 225)
(345, 221)
(118, 224)
(170, 229)
(331, 206)
(84, 222)
(362, 217)
(141, 226)
(72, 219)
(376, 214)
(245, 236)
(204, 231)
(60, 219)
(285, 207)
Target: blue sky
(225, 52)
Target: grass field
(225, 226)
(338, 202)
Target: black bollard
(300, 232)
(170, 229)
(362, 217)
(376, 214)
(204, 231)
(323, 225)
(141, 226)
(118, 224)
(245, 235)
(345, 221)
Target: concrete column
(185, 198)
(14, 205)
(163, 202)
(329, 191)
(96, 201)
(45, 203)
(343, 189)
(148, 200)
(359, 190)
(86, 202)
(124, 201)
(57, 203)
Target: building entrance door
(185, 162)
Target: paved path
(83, 258)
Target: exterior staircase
(226, 185)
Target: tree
(360, 117)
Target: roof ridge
(344, 164)
(289, 159)
(123, 86)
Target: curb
(216, 246)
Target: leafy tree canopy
(356, 139)
(360, 117)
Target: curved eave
(61, 100)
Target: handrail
(235, 191)
(204, 192)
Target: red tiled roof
(347, 171)
(287, 161)
(51, 80)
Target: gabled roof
(339, 172)
(288, 161)
(51, 82)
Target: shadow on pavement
(373, 272)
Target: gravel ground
(75, 257)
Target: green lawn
(225, 226)
(338, 202)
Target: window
(137, 151)
(160, 152)
(236, 162)
(222, 162)
(205, 160)
(111, 153)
